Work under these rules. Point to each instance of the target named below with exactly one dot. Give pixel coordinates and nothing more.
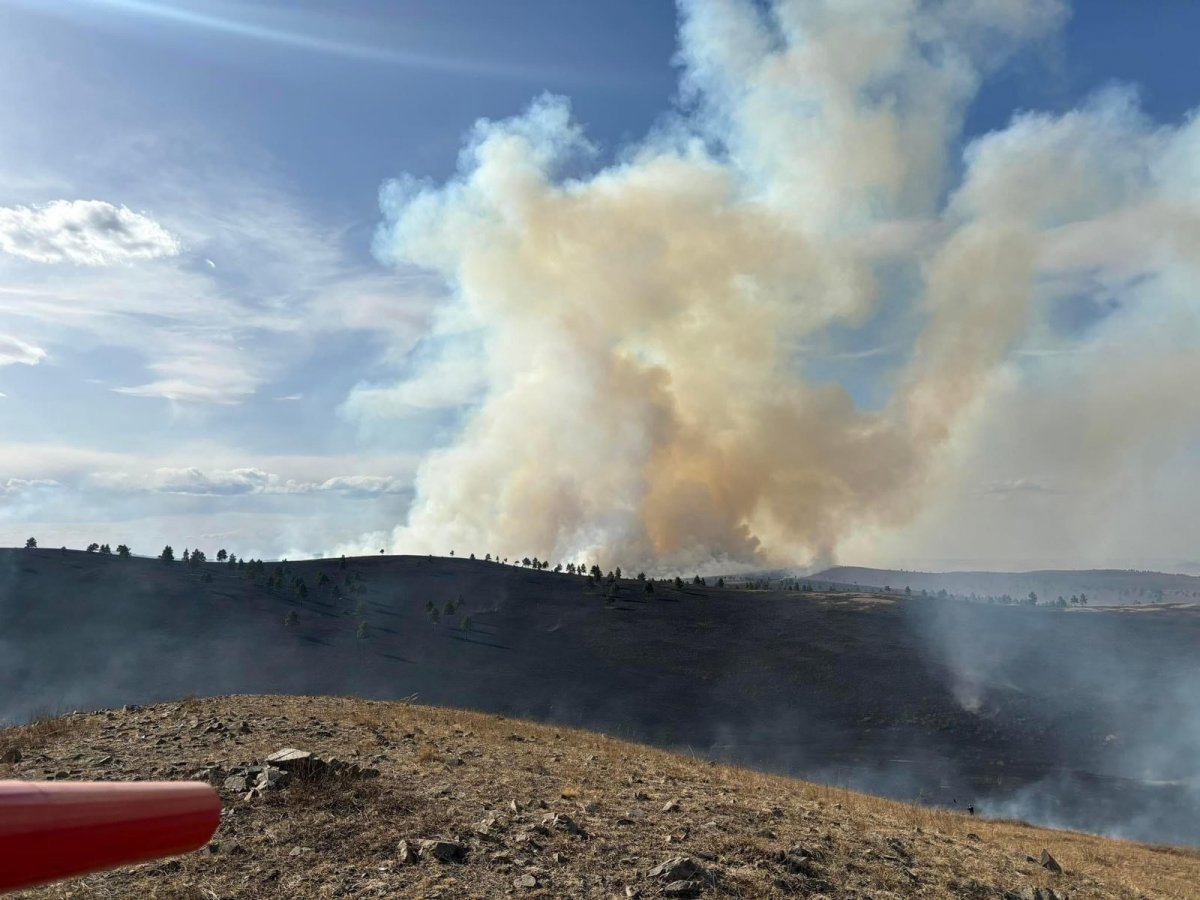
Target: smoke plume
(641, 327)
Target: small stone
(561, 822)
(443, 851)
(270, 777)
(407, 853)
(682, 889)
(235, 784)
(525, 881)
(1049, 862)
(1032, 893)
(12, 755)
(678, 868)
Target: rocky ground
(378, 799)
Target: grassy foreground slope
(540, 811)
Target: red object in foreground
(52, 830)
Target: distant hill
(1088, 718)
(1103, 587)
(525, 810)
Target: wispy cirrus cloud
(83, 232)
(14, 351)
(332, 35)
(452, 379)
(233, 482)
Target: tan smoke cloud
(642, 327)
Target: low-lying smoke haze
(646, 334)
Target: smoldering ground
(1078, 718)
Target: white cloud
(16, 351)
(204, 367)
(15, 486)
(84, 232)
(452, 379)
(232, 482)
(364, 484)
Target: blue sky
(200, 378)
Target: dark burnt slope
(1062, 716)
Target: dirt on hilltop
(438, 803)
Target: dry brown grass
(42, 731)
(458, 775)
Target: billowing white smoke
(643, 327)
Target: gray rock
(270, 777)
(12, 755)
(679, 868)
(291, 759)
(682, 889)
(443, 851)
(525, 881)
(407, 853)
(561, 822)
(1049, 862)
(236, 784)
(1032, 893)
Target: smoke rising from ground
(640, 329)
